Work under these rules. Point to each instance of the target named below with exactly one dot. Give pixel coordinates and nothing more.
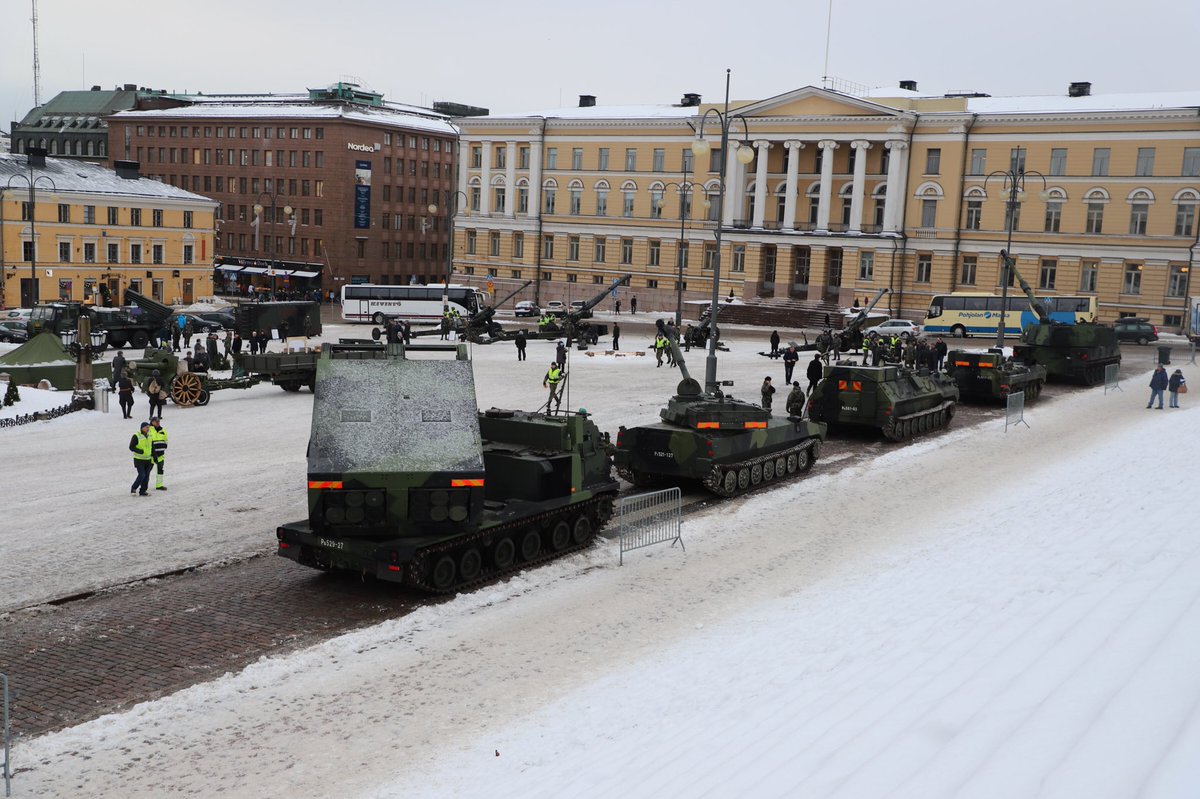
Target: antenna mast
(828, 32)
(37, 68)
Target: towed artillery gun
(480, 328)
(849, 338)
(574, 325)
(288, 370)
(1076, 353)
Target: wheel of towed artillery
(504, 552)
(582, 530)
(768, 471)
(729, 483)
(793, 463)
(531, 545)
(441, 576)
(743, 478)
(185, 389)
(204, 397)
(756, 474)
(559, 536)
(470, 563)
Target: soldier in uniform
(795, 400)
(767, 391)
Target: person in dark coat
(157, 394)
(211, 346)
(767, 392)
(790, 358)
(941, 349)
(188, 332)
(560, 355)
(118, 367)
(814, 373)
(236, 345)
(124, 386)
(1174, 383)
(520, 340)
(176, 332)
(795, 400)
(1158, 384)
(616, 336)
(633, 304)
(774, 343)
(283, 333)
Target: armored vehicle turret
(1076, 353)
(408, 482)
(900, 402)
(989, 375)
(729, 445)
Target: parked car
(577, 305)
(1135, 329)
(198, 325)
(14, 330)
(556, 308)
(225, 319)
(897, 327)
(527, 308)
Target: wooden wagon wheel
(186, 389)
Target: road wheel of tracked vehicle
(531, 545)
(139, 339)
(803, 461)
(756, 474)
(729, 484)
(768, 471)
(793, 463)
(470, 563)
(582, 531)
(504, 552)
(780, 466)
(441, 576)
(923, 423)
(559, 537)
(743, 478)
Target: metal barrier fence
(646, 519)
(1112, 378)
(7, 735)
(41, 416)
(1014, 413)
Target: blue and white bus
(967, 314)
(366, 302)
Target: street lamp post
(84, 345)
(1013, 181)
(452, 206)
(32, 182)
(288, 211)
(685, 189)
(701, 148)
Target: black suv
(1135, 329)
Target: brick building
(315, 190)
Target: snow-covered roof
(295, 110)
(606, 112)
(69, 174)
(1042, 104)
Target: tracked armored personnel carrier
(901, 402)
(729, 445)
(408, 482)
(989, 376)
(1074, 353)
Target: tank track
(915, 424)
(805, 454)
(598, 509)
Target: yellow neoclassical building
(841, 195)
(89, 226)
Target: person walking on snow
(616, 336)
(140, 445)
(1158, 384)
(814, 372)
(158, 450)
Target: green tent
(44, 357)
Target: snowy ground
(978, 614)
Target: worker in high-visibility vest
(553, 380)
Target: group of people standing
(149, 448)
(1174, 385)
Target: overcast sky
(512, 55)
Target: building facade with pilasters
(842, 196)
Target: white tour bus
(366, 302)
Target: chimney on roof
(690, 100)
(1080, 88)
(95, 88)
(37, 157)
(908, 85)
(131, 87)
(587, 100)
(127, 169)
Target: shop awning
(305, 274)
(254, 270)
(229, 267)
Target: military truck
(1076, 353)
(134, 326)
(900, 402)
(302, 318)
(409, 482)
(728, 445)
(990, 376)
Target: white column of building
(893, 203)
(535, 178)
(860, 182)
(510, 179)
(734, 186)
(464, 165)
(793, 172)
(485, 180)
(826, 198)
(760, 182)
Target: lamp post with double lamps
(452, 206)
(288, 211)
(84, 345)
(32, 181)
(1013, 182)
(701, 148)
(685, 211)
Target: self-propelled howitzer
(574, 325)
(729, 445)
(849, 338)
